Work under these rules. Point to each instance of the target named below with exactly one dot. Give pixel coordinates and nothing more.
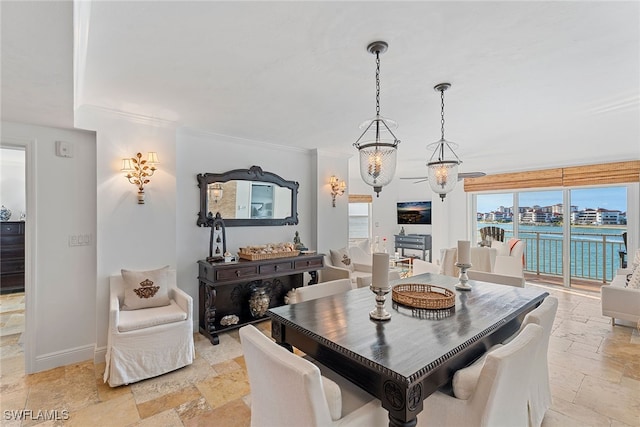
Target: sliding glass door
(570, 234)
(598, 221)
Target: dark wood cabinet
(419, 242)
(11, 256)
(235, 289)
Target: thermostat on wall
(64, 149)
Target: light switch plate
(64, 149)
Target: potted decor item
(259, 300)
(5, 214)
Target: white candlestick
(380, 271)
(464, 249)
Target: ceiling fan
(461, 176)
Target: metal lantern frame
(443, 172)
(378, 156)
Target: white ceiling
(534, 84)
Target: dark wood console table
(226, 288)
(420, 242)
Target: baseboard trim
(100, 355)
(65, 357)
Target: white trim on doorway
(30, 273)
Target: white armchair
(620, 300)
(510, 259)
(148, 342)
(350, 263)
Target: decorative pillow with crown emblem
(145, 289)
(341, 258)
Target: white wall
(61, 297)
(12, 181)
(130, 235)
(332, 226)
(201, 152)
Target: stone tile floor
(594, 369)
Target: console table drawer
(411, 239)
(12, 266)
(12, 228)
(279, 267)
(234, 273)
(418, 246)
(309, 263)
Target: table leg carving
(210, 313)
(398, 400)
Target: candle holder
(379, 313)
(463, 285)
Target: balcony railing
(593, 256)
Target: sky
(612, 198)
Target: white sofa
(619, 301)
(507, 268)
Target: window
(359, 221)
(592, 220)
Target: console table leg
(394, 422)
(314, 277)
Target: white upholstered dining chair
(540, 390)
(288, 390)
(147, 342)
(539, 394)
(323, 289)
(499, 398)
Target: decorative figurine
(401, 231)
(297, 244)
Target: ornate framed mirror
(247, 197)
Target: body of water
(594, 250)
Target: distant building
(598, 216)
(535, 215)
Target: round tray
(420, 295)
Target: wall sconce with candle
(139, 170)
(216, 191)
(337, 188)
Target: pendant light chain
(442, 112)
(442, 123)
(377, 83)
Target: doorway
(19, 196)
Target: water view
(594, 249)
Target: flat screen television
(414, 213)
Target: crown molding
(128, 116)
(199, 133)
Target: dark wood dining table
(403, 360)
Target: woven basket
(420, 295)
(272, 255)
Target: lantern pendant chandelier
(378, 151)
(443, 172)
